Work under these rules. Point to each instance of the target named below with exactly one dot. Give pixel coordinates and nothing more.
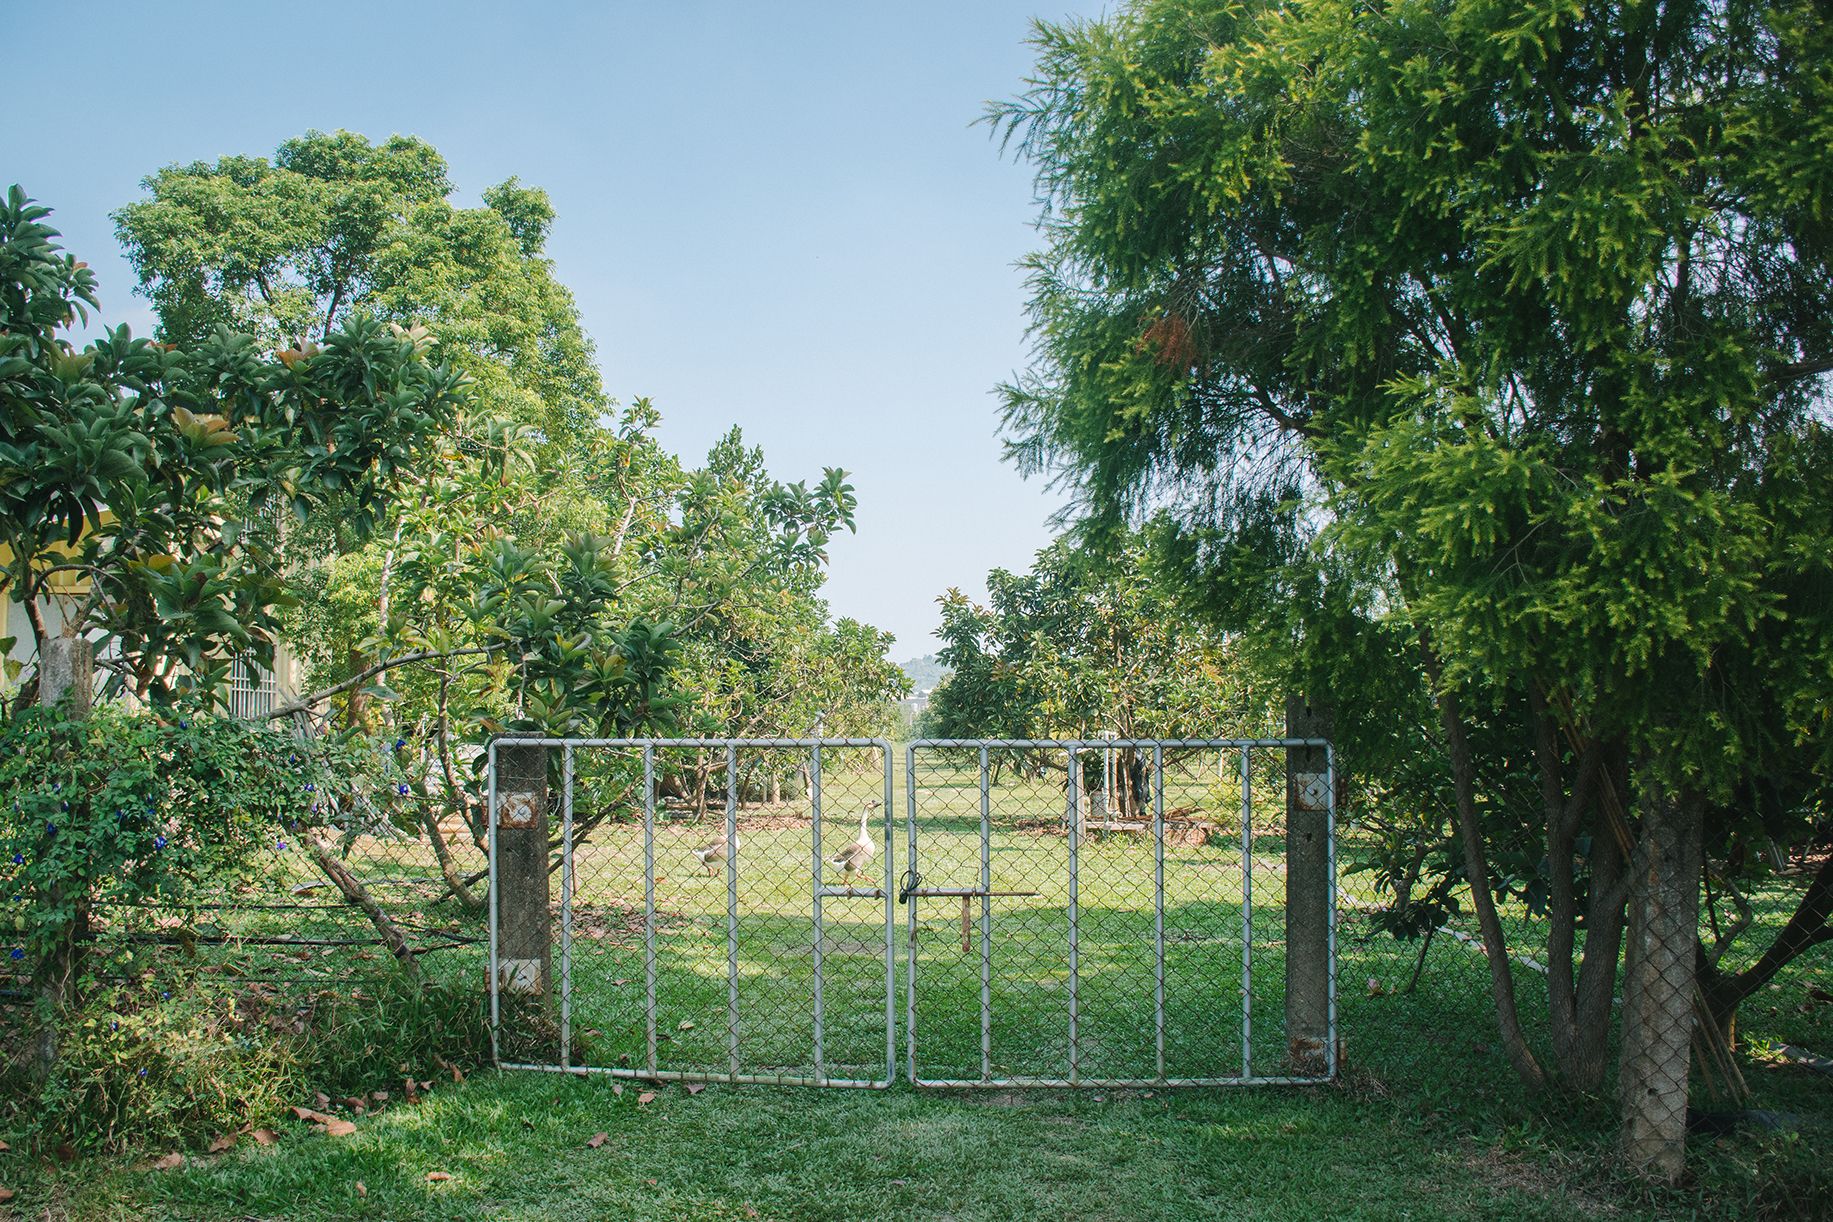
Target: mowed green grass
(516, 1146)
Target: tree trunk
(1658, 986)
(1476, 872)
(1807, 926)
(354, 891)
(66, 676)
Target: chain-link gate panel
(705, 909)
(1115, 912)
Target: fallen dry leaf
(694, 1088)
(265, 1137)
(6, 1194)
(595, 1140)
(4, 1147)
(225, 1142)
(339, 1128)
(458, 1075)
(312, 1114)
(617, 1088)
(437, 1177)
(169, 1162)
(362, 1189)
(647, 1096)
(685, 1025)
(324, 1100)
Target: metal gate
(1114, 913)
(1095, 913)
(710, 924)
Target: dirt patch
(617, 923)
(1510, 1171)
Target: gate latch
(912, 880)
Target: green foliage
(1081, 645)
(147, 471)
(125, 807)
(285, 249)
(1485, 342)
(1534, 325)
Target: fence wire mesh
(1102, 913)
(318, 914)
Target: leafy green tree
(149, 469)
(333, 224)
(1517, 316)
(1082, 646)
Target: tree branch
(305, 703)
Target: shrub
(164, 1064)
(124, 807)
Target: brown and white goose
(714, 852)
(853, 858)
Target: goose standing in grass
(714, 851)
(853, 858)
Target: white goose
(853, 858)
(714, 852)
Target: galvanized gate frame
(912, 891)
(652, 1070)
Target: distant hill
(925, 672)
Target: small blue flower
(50, 829)
(114, 1026)
(279, 846)
(310, 788)
(400, 743)
(17, 953)
(402, 788)
(142, 1072)
(19, 859)
(184, 725)
(292, 759)
(315, 808)
(66, 806)
(165, 996)
(159, 842)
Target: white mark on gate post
(516, 810)
(1312, 790)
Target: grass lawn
(515, 1146)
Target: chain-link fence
(1101, 913)
(322, 910)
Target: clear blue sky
(771, 214)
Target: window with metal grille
(252, 689)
